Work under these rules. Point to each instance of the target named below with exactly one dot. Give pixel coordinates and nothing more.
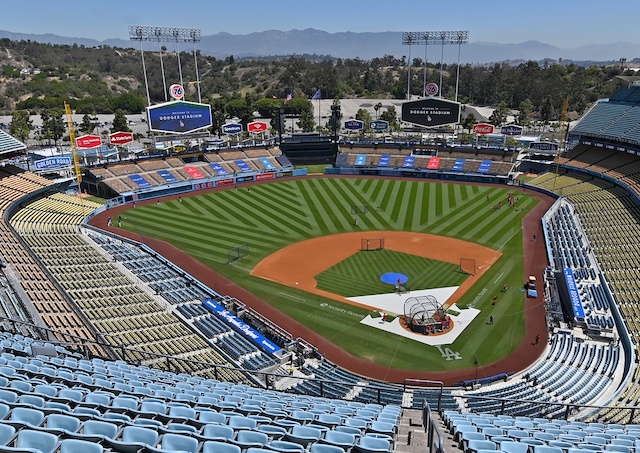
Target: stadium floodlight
(144, 33)
(442, 38)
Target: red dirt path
(535, 261)
(286, 267)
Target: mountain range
(364, 46)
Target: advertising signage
(88, 141)
(544, 146)
(240, 326)
(379, 125)
(353, 125)
(431, 112)
(52, 162)
(511, 130)
(179, 117)
(483, 129)
(232, 128)
(120, 138)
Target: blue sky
(562, 23)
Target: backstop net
(237, 253)
(468, 266)
(371, 244)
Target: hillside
(101, 79)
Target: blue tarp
(408, 162)
(218, 169)
(167, 176)
(140, 181)
(266, 163)
(242, 165)
(458, 165)
(361, 159)
(484, 166)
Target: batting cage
(468, 266)
(373, 244)
(424, 314)
(237, 253)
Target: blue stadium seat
(133, 438)
(7, 434)
(212, 446)
(174, 443)
(35, 441)
(325, 448)
(247, 438)
(79, 446)
(284, 446)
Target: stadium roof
(9, 144)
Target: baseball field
(238, 230)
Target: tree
(391, 116)
(120, 122)
(239, 108)
(499, 115)
(21, 125)
(89, 124)
(53, 127)
(525, 109)
(469, 121)
(364, 116)
(306, 121)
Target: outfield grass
(359, 274)
(271, 216)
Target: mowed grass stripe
(317, 210)
(338, 218)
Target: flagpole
(318, 114)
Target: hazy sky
(562, 23)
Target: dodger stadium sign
(431, 112)
(179, 117)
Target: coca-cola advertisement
(483, 129)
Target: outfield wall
(415, 173)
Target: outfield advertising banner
(52, 162)
(242, 327)
(179, 117)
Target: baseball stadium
(406, 298)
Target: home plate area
(456, 319)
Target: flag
(316, 97)
(288, 98)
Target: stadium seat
(325, 448)
(212, 446)
(133, 438)
(246, 439)
(222, 433)
(303, 435)
(372, 445)
(273, 431)
(284, 446)
(36, 441)
(513, 447)
(339, 439)
(79, 446)
(7, 434)
(25, 417)
(175, 443)
(96, 431)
